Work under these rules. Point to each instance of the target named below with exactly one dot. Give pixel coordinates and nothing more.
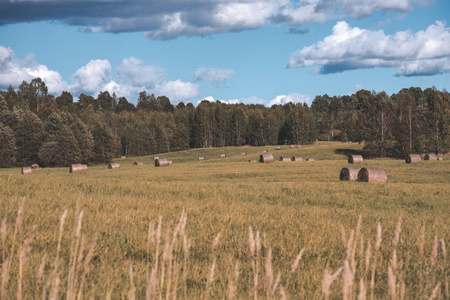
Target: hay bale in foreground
(201, 158)
(75, 168)
(35, 166)
(285, 158)
(26, 170)
(297, 158)
(372, 175)
(440, 158)
(84, 167)
(349, 173)
(243, 153)
(355, 159)
(310, 159)
(113, 166)
(430, 157)
(413, 159)
(266, 158)
(292, 146)
(162, 162)
(222, 155)
(252, 160)
(138, 163)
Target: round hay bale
(264, 151)
(222, 155)
(355, 159)
(75, 168)
(430, 156)
(26, 170)
(138, 163)
(243, 153)
(161, 162)
(297, 158)
(292, 146)
(170, 162)
(84, 168)
(278, 148)
(252, 160)
(266, 158)
(123, 157)
(310, 159)
(113, 166)
(155, 157)
(34, 166)
(440, 158)
(372, 175)
(413, 159)
(349, 173)
(285, 158)
(299, 146)
(201, 158)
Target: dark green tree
(7, 147)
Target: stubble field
(228, 229)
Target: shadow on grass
(348, 152)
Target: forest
(37, 127)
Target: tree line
(37, 127)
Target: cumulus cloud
(14, 71)
(167, 19)
(292, 98)
(426, 52)
(134, 71)
(91, 77)
(177, 90)
(281, 99)
(216, 76)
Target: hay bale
(266, 158)
(440, 158)
(349, 173)
(162, 162)
(372, 175)
(252, 160)
(138, 163)
(310, 159)
(355, 159)
(201, 158)
(26, 170)
(264, 151)
(430, 156)
(35, 166)
(297, 158)
(75, 168)
(84, 168)
(299, 146)
(155, 157)
(170, 162)
(243, 153)
(413, 159)
(123, 157)
(292, 146)
(285, 158)
(278, 148)
(222, 155)
(113, 166)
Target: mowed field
(229, 228)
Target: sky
(235, 51)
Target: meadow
(225, 228)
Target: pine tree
(7, 147)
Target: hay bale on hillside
(162, 162)
(26, 170)
(413, 159)
(285, 158)
(222, 155)
(440, 158)
(84, 168)
(310, 159)
(372, 175)
(430, 156)
(201, 158)
(264, 151)
(243, 153)
(155, 157)
(355, 159)
(138, 163)
(266, 158)
(252, 160)
(75, 168)
(349, 173)
(297, 158)
(35, 166)
(113, 166)
(278, 148)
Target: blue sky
(249, 51)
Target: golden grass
(295, 210)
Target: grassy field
(228, 229)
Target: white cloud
(13, 72)
(292, 98)
(426, 52)
(92, 77)
(216, 76)
(137, 74)
(281, 99)
(177, 90)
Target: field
(246, 224)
